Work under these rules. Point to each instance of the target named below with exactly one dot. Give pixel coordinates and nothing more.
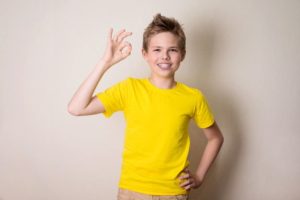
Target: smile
(164, 66)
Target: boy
(157, 111)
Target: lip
(164, 66)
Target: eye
(157, 50)
(174, 50)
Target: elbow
(73, 111)
(220, 139)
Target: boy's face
(163, 55)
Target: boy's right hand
(117, 49)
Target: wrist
(200, 177)
(103, 64)
(198, 181)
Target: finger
(184, 176)
(188, 187)
(110, 32)
(115, 38)
(184, 184)
(123, 35)
(186, 170)
(126, 51)
(124, 45)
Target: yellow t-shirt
(157, 142)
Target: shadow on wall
(221, 174)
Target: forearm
(210, 153)
(84, 93)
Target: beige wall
(244, 55)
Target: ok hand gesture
(117, 49)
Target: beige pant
(124, 194)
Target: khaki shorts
(124, 194)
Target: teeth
(164, 66)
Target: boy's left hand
(189, 180)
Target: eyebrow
(172, 47)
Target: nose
(165, 55)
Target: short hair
(161, 24)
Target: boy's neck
(164, 83)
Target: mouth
(164, 66)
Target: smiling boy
(157, 110)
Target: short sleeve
(114, 98)
(202, 114)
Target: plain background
(243, 55)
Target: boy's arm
(83, 103)
(215, 141)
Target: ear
(145, 54)
(183, 55)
